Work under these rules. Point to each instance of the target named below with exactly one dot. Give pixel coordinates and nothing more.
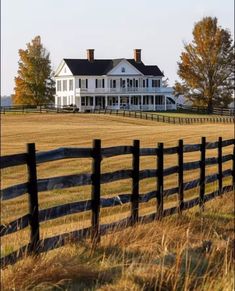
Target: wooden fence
(204, 110)
(34, 185)
(224, 118)
(167, 119)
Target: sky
(112, 27)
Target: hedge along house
(111, 83)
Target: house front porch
(125, 102)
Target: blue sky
(112, 27)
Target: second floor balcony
(126, 90)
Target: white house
(111, 83)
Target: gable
(63, 70)
(124, 68)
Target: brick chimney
(90, 55)
(137, 55)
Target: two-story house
(111, 83)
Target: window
(58, 85)
(70, 85)
(143, 83)
(113, 83)
(87, 101)
(83, 101)
(64, 85)
(99, 83)
(78, 83)
(155, 83)
(83, 83)
(58, 101)
(123, 70)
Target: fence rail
(34, 186)
(167, 119)
(204, 110)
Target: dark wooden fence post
(33, 198)
(135, 182)
(233, 169)
(220, 170)
(181, 175)
(160, 167)
(202, 172)
(95, 195)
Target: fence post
(33, 198)
(220, 175)
(202, 172)
(135, 182)
(181, 175)
(95, 195)
(160, 167)
(233, 169)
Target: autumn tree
(207, 66)
(34, 84)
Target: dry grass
(192, 252)
(135, 258)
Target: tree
(34, 84)
(207, 66)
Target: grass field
(50, 131)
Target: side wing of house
(65, 85)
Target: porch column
(129, 101)
(93, 103)
(80, 103)
(141, 102)
(106, 101)
(154, 102)
(119, 102)
(165, 102)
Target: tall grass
(194, 251)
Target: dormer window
(123, 70)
